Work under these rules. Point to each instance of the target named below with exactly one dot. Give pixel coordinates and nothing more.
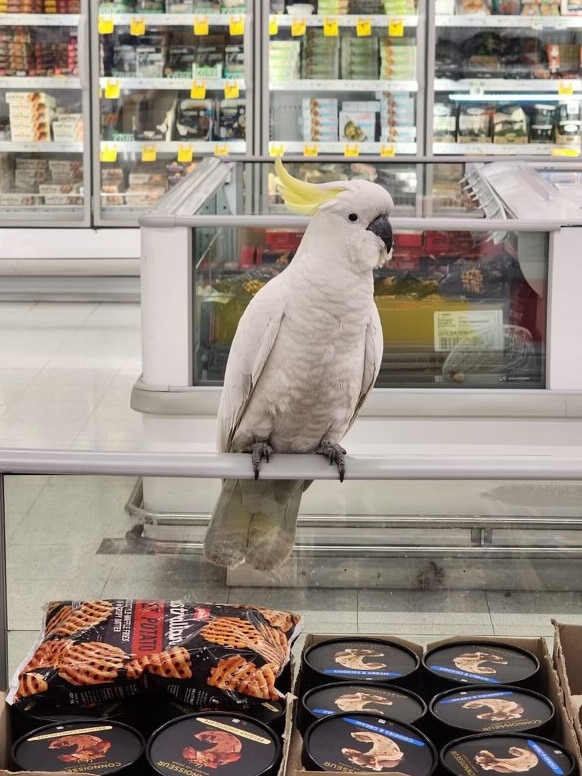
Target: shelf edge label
(148, 153)
(105, 25)
(201, 25)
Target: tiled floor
(66, 372)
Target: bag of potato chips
(200, 653)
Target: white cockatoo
(305, 355)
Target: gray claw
(336, 454)
(259, 451)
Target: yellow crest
(302, 197)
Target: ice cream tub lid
(373, 698)
(93, 746)
(213, 742)
(474, 662)
(363, 742)
(370, 660)
(484, 709)
(507, 753)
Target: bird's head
(355, 211)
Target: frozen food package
(199, 653)
(194, 119)
(481, 353)
(474, 124)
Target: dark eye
(353, 217)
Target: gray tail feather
(263, 539)
(271, 537)
(225, 543)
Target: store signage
(395, 28)
(105, 25)
(185, 154)
(112, 89)
(148, 153)
(298, 27)
(236, 25)
(363, 27)
(330, 28)
(137, 27)
(273, 25)
(231, 90)
(201, 25)
(198, 90)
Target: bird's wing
(372, 358)
(252, 343)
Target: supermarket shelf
(39, 19)
(9, 146)
(332, 85)
(346, 20)
(549, 86)
(347, 149)
(171, 84)
(40, 82)
(490, 20)
(168, 19)
(527, 149)
(172, 147)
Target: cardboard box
(567, 648)
(5, 739)
(550, 687)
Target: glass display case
(506, 78)
(44, 113)
(174, 85)
(346, 79)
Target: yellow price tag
(185, 153)
(198, 90)
(565, 87)
(387, 149)
(565, 152)
(298, 27)
(351, 149)
(112, 89)
(221, 150)
(231, 90)
(108, 153)
(310, 149)
(396, 28)
(363, 27)
(273, 25)
(276, 150)
(148, 153)
(201, 25)
(105, 25)
(330, 28)
(236, 25)
(137, 27)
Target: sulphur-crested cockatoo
(306, 353)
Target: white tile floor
(66, 373)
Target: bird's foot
(336, 454)
(259, 451)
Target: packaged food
(475, 662)
(474, 124)
(510, 125)
(507, 753)
(92, 651)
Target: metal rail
(290, 467)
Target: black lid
(484, 709)
(536, 756)
(481, 662)
(382, 699)
(208, 741)
(367, 659)
(87, 745)
(362, 742)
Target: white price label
(478, 329)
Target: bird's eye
(353, 217)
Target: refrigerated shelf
(53, 83)
(49, 147)
(345, 20)
(136, 83)
(39, 19)
(167, 19)
(174, 146)
(333, 85)
(508, 21)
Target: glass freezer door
(174, 85)
(506, 78)
(345, 77)
(44, 113)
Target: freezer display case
(506, 78)
(462, 303)
(345, 76)
(175, 80)
(44, 113)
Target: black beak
(380, 226)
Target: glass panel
(345, 80)
(419, 560)
(172, 87)
(506, 78)
(458, 308)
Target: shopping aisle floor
(66, 373)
